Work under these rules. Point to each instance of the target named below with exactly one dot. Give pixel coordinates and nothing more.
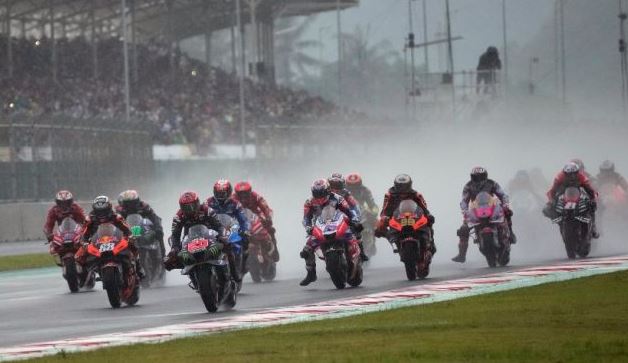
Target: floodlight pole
(425, 51)
(241, 77)
(339, 32)
(9, 43)
(125, 48)
(52, 39)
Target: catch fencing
(42, 154)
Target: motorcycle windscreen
(134, 220)
(227, 221)
(68, 225)
(108, 232)
(328, 214)
(408, 207)
(572, 195)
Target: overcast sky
(479, 22)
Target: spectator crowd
(184, 100)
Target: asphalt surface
(36, 305)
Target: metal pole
(241, 78)
(254, 43)
(9, 42)
(623, 60)
(134, 43)
(451, 60)
(412, 61)
(339, 32)
(425, 49)
(125, 48)
(562, 51)
(505, 80)
(208, 48)
(52, 39)
(556, 46)
(94, 41)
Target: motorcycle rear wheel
(71, 275)
(270, 272)
(207, 287)
(336, 268)
(254, 269)
(111, 280)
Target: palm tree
(291, 51)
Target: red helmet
(189, 203)
(222, 190)
(64, 200)
(243, 189)
(354, 180)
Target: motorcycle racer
(64, 207)
(322, 196)
(400, 191)
(609, 177)
(338, 185)
(480, 183)
(571, 176)
(129, 202)
(254, 201)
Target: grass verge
(31, 260)
(584, 320)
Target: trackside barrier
(413, 295)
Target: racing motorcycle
(369, 220)
(489, 228)
(109, 255)
(260, 263)
(205, 263)
(66, 241)
(574, 217)
(338, 247)
(410, 234)
(232, 230)
(150, 252)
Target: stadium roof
(181, 18)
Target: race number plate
(106, 247)
(570, 205)
(197, 245)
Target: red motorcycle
(338, 247)
(412, 237)
(260, 263)
(109, 255)
(65, 243)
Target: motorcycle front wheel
(111, 281)
(336, 266)
(207, 287)
(71, 276)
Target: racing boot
(594, 232)
(309, 278)
(140, 270)
(462, 251)
(363, 255)
(235, 274)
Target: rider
(609, 177)
(522, 182)
(322, 196)
(361, 193)
(571, 176)
(129, 202)
(64, 207)
(338, 185)
(192, 212)
(257, 204)
(223, 202)
(102, 212)
(400, 191)
(480, 183)
(580, 164)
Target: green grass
(583, 320)
(31, 260)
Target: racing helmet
(320, 189)
(102, 208)
(403, 183)
(222, 190)
(243, 190)
(336, 182)
(64, 200)
(129, 200)
(571, 170)
(478, 174)
(189, 203)
(607, 166)
(354, 180)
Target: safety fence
(41, 154)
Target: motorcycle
(207, 268)
(66, 241)
(232, 230)
(260, 263)
(109, 255)
(412, 237)
(489, 228)
(574, 217)
(149, 249)
(338, 247)
(369, 220)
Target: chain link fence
(42, 154)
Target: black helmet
(320, 189)
(101, 206)
(607, 166)
(336, 182)
(491, 50)
(479, 174)
(64, 200)
(129, 200)
(403, 183)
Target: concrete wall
(24, 221)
